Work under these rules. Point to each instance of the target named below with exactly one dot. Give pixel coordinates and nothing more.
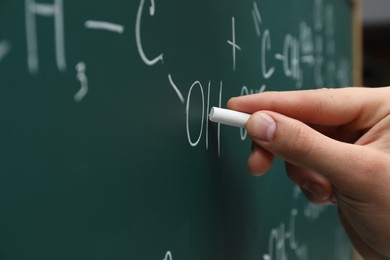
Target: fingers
(322, 107)
(302, 146)
(260, 160)
(315, 187)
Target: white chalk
(228, 117)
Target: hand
(336, 145)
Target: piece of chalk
(228, 117)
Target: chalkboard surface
(106, 150)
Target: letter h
(55, 10)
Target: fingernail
(262, 127)
(316, 190)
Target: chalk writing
(179, 94)
(5, 48)
(277, 246)
(194, 143)
(246, 91)
(102, 25)
(233, 43)
(81, 76)
(330, 45)
(329, 30)
(297, 192)
(56, 10)
(291, 59)
(266, 46)
(319, 61)
(307, 44)
(168, 256)
(204, 117)
(147, 61)
(310, 48)
(318, 15)
(208, 109)
(265, 42)
(343, 69)
(313, 212)
(219, 125)
(257, 21)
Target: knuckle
(301, 144)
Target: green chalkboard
(106, 150)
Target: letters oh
(54, 10)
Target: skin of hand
(336, 145)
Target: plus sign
(234, 44)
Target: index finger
(362, 107)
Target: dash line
(101, 25)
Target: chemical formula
(310, 53)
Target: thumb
(299, 144)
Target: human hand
(336, 145)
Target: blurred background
(376, 43)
